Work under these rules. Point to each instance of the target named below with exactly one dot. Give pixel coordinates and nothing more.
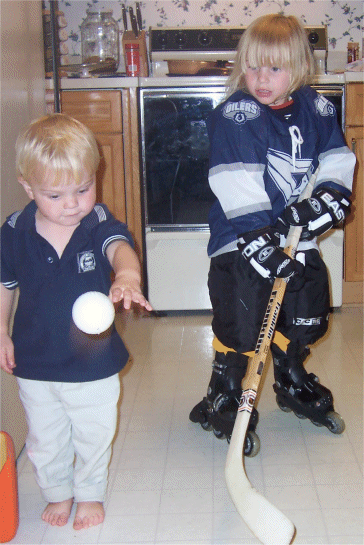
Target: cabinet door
(110, 187)
(354, 225)
(101, 112)
(113, 118)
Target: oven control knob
(313, 38)
(162, 38)
(204, 38)
(180, 38)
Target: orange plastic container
(9, 509)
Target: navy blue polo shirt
(48, 346)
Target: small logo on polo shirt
(86, 261)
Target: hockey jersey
(261, 162)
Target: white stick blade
(268, 524)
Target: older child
(267, 138)
(61, 245)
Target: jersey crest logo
(242, 111)
(324, 107)
(86, 261)
(280, 169)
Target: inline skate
(301, 392)
(217, 411)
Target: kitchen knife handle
(133, 20)
(139, 16)
(125, 20)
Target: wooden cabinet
(112, 116)
(354, 110)
(354, 242)
(354, 225)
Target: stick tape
(247, 400)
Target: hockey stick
(268, 524)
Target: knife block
(130, 38)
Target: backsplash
(344, 19)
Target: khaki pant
(71, 426)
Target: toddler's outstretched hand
(126, 286)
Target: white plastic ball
(93, 312)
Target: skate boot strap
(223, 399)
(219, 367)
(308, 381)
(291, 361)
(232, 360)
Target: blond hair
(56, 146)
(273, 40)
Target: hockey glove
(261, 250)
(325, 209)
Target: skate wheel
(206, 425)
(252, 444)
(317, 424)
(219, 434)
(281, 405)
(335, 422)
(299, 415)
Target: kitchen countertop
(95, 83)
(127, 82)
(354, 76)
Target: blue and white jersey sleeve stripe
(336, 170)
(239, 188)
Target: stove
(214, 45)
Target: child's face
(268, 84)
(65, 204)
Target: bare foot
(88, 513)
(57, 514)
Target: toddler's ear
(27, 187)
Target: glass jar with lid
(100, 39)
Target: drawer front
(98, 110)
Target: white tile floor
(166, 476)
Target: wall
(22, 99)
(344, 19)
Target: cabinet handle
(353, 145)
